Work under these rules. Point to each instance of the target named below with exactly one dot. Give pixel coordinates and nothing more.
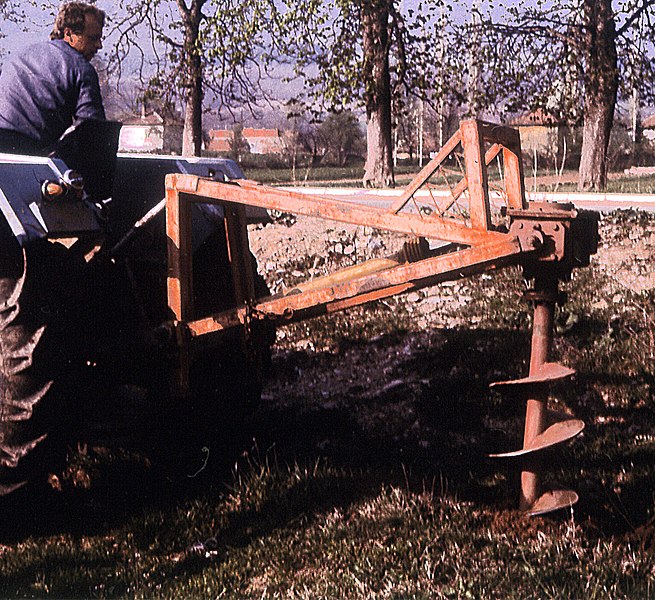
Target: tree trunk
(375, 34)
(601, 85)
(192, 133)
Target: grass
(360, 488)
(342, 176)
(617, 183)
(316, 531)
(632, 185)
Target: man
(52, 85)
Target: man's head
(80, 25)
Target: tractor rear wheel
(236, 369)
(40, 365)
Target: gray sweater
(45, 89)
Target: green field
(346, 176)
(352, 177)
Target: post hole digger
(486, 224)
(189, 277)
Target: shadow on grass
(407, 406)
(410, 409)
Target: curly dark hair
(72, 15)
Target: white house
(150, 133)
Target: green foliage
(331, 58)
(524, 58)
(529, 56)
(235, 42)
(340, 136)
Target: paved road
(600, 202)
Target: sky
(40, 18)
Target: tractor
(83, 307)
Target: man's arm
(89, 102)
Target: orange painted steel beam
(178, 231)
(426, 172)
(403, 278)
(247, 192)
(238, 249)
(476, 175)
(179, 280)
(514, 185)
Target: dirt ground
(292, 249)
(400, 387)
(406, 379)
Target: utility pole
(441, 56)
(473, 63)
(420, 133)
(636, 68)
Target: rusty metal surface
(552, 501)
(535, 412)
(465, 218)
(328, 295)
(323, 207)
(489, 247)
(558, 433)
(547, 373)
(543, 429)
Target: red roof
(151, 119)
(250, 132)
(649, 122)
(247, 132)
(220, 134)
(261, 141)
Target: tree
(525, 54)
(200, 47)
(355, 53)
(601, 84)
(637, 70)
(192, 73)
(376, 39)
(12, 13)
(340, 136)
(238, 144)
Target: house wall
(141, 138)
(539, 138)
(545, 140)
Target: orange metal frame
(547, 239)
(482, 246)
(485, 247)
